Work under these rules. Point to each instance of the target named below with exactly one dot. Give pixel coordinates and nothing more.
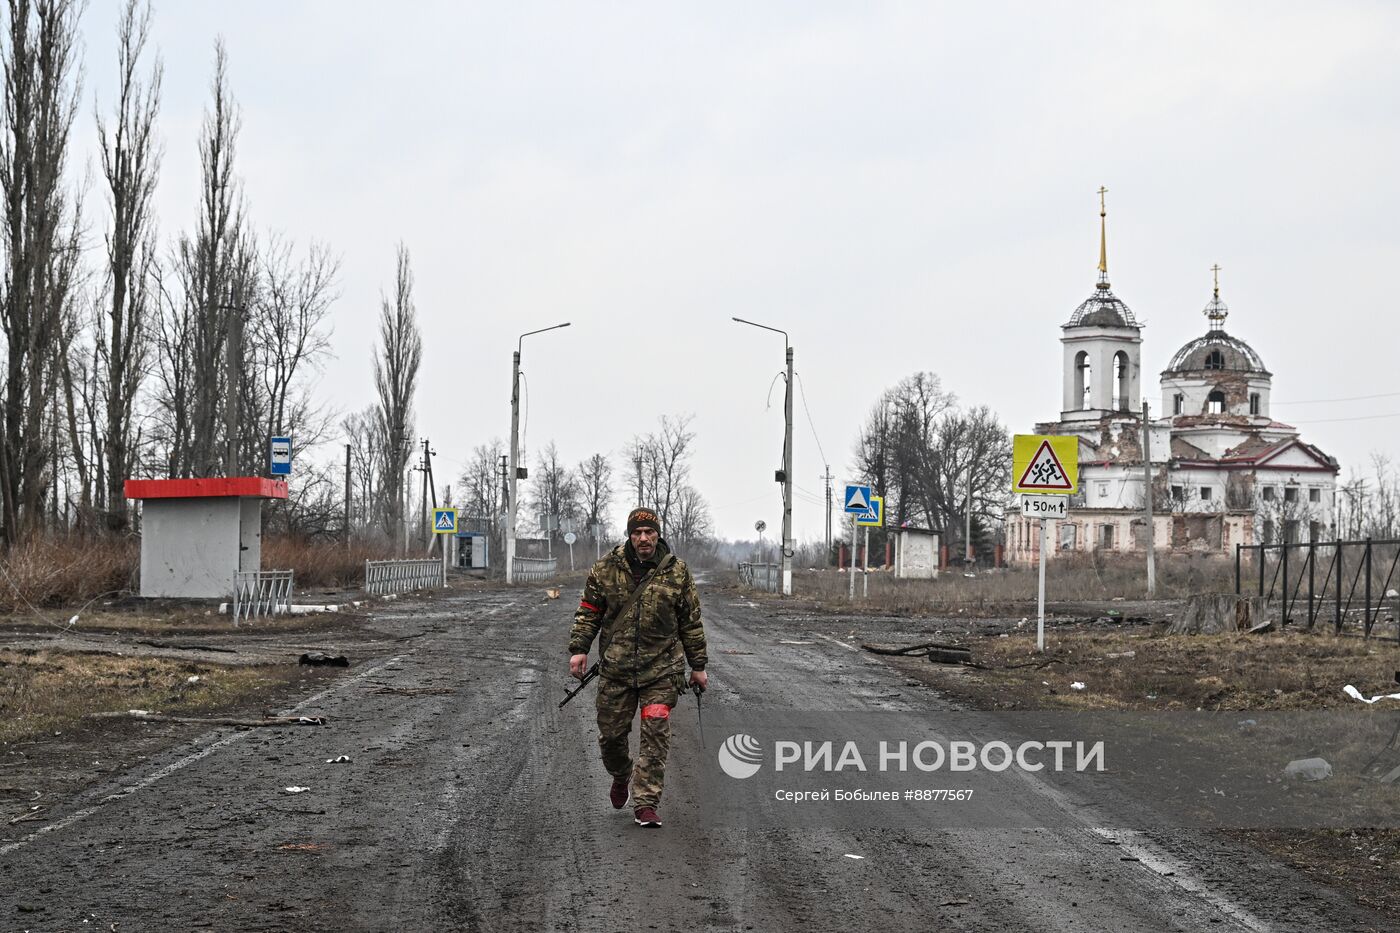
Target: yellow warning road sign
(1045, 464)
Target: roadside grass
(72, 571)
(1001, 591)
(1142, 668)
(42, 691)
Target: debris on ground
(1355, 694)
(849, 855)
(150, 716)
(552, 593)
(1077, 685)
(1266, 626)
(339, 759)
(1308, 769)
(1391, 777)
(935, 651)
(321, 659)
(295, 790)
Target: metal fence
(534, 569)
(760, 576)
(261, 592)
(1336, 579)
(383, 577)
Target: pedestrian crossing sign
(445, 521)
(1042, 463)
(875, 518)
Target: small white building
(1224, 472)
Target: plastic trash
(295, 790)
(1355, 694)
(337, 760)
(1076, 686)
(1308, 769)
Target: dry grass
(67, 570)
(323, 564)
(995, 592)
(49, 691)
(1138, 668)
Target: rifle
(589, 675)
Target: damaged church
(1224, 472)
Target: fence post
(1283, 619)
(1337, 611)
(1237, 568)
(1261, 569)
(1312, 573)
(1368, 587)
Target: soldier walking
(641, 600)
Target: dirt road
(471, 803)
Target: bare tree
(395, 379)
(213, 279)
(595, 491)
(130, 156)
(554, 492)
(365, 462)
(40, 243)
(661, 461)
(287, 341)
(690, 519)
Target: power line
(1327, 401)
(1394, 414)
(810, 422)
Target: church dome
(1217, 350)
(1103, 309)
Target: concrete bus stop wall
(192, 547)
(916, 554)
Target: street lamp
(784, 475)
(514, 474)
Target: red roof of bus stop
(256, 487)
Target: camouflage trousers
(618, 704)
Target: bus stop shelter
(197, 533)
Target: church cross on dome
(1103, 240)
(1216, 312)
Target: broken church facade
(1224, 472)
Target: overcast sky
(901, 187)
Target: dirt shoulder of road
(68, 679)
(1140, 667)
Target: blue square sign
(279, 456)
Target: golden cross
(1215, 270)
(1102, 191)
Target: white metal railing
(534, 569)
(760, 576)
(383, 577)
(261, 592)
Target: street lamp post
(785, 474)
(514, 475)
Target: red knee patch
(656, 711)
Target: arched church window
(1215, 402)
(1120, 381)
(1215, 360)
(1083, 372)
(1178, 403)
(1254, 403)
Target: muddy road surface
(470, 802)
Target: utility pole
(828, 515)
(1147, 498)
(515, 447)
(423, 514)
(347, 494)
(789, 545)
(233, 366)
(967, 532)
(641, 497)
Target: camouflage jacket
(659, 634)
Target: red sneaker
(617, 795)
(646, 816)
